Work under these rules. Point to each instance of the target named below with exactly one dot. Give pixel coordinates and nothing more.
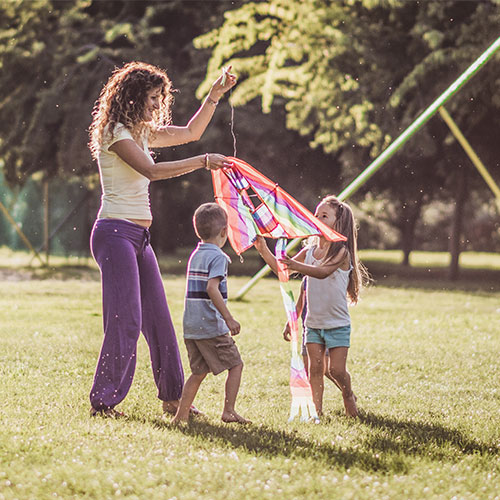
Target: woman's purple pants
(133, 300)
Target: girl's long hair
(123, 99)
(346, 225)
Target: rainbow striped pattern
(257, 205)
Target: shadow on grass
(265, 441)
(422, 439)
(384, 450)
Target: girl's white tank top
(326, 298)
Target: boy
(207, 321)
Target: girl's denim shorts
(330, 337)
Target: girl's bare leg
(316, 354)
(327, 371)
(338, 371)
(305, 358)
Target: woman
(132, 114)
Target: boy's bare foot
(179, 421)
(233, 417)
(351, 410)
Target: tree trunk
(408, 223)
(46, 221)
(457, 223)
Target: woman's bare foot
(170, 407)
(351, 410)
(109, 413)
(233, 417)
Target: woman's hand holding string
(224, 83)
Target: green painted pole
(396, 144)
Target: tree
(56, 55)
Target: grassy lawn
(424, 363)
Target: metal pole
(474, 158)
(20, 232)
(396, 144)
(66, 218)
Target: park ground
(424, 363)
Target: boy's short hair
(208, 220)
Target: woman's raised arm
(173, 135)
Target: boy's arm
(261, 246)
(300, 300)
(218, 301)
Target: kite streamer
(302, 402)
(255, 205)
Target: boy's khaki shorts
(212, 355)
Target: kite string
(231, 123)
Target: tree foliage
(55, 57)
(345, 77)
(353, 74)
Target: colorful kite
(256, 205)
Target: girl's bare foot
(233, 417)
(351, 410)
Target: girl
(334, 272)
(132, 114)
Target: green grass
(424, 363)
(478, 270)
(468, 260)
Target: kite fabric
(255, 205)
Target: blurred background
(324, 87)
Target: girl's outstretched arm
(320, 271)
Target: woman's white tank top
(125, 192)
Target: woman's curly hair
(123, 99)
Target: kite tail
(302, 403)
